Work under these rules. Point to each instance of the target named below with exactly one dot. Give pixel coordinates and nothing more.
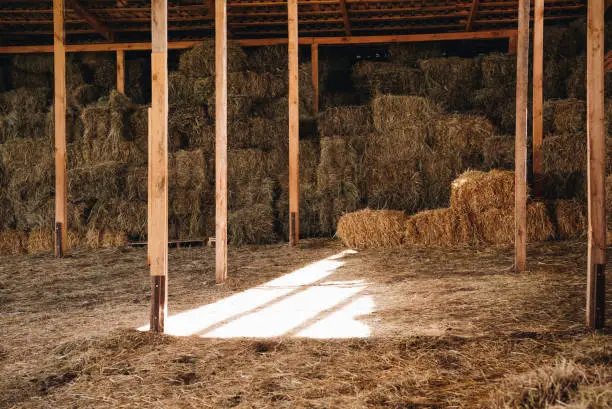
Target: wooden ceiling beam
(92, 20)
(472, 15)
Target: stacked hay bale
(372, 78)
(451, 81)
(372, 228)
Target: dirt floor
(428, 329)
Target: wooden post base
(59, 252)
(159, 297)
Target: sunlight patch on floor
(299, 304)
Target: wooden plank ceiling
(29, 22)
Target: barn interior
(313, 204)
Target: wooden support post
(149, 186)
(294, 125)
(221, 140)
(59, 72)
(520, 169)
(121, 71)
(158, 163)
(538, 94)
(596, 167)
(512, 44)
(315, 75)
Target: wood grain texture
(221, 141)
(520, 168)
(121, 71)
(294, 124)
(59, 97)
(538, 95)
(596, 153)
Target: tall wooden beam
(121, 71)
(294, 124)
(520, 168)
(512, 44)
(472, 15)
(221, 140)
(315, 75)
(538, 94)
(158, 158)
(59, 73)
(596, 148)
(345, 17)
(92, 20)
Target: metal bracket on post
(600, 296)
(58, 240)
(292, 238)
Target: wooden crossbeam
(472, 15)
(92, 20)
(345, 18)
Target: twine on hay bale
(476, 191)
(12, 243)
(569, 217)
(199, 61)
(498, 152)
(438, 227)
(345, 121)
(397, 112)
(372, 228)
(251, 225)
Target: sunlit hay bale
(463, 135)
(251, 225)
(40, 241)
(12, 243)
(199, 61)
(103, 68)
(439, 227)
(569, 219)
(336, 182)
(397, 112)
(345, 121)
(410, 53)
(450, 81)
(540, 388)
(498, 152)
(476, 191)
(498, 70)
(265, 133)
(371, 78)
(372, 228)
(391, 169)
(96, 182)
(272, 58)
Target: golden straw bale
(439, 227)
(475, 191)
(93, 238)
(372, 228)
(113, 239)
(41, 241)
(12, 243)
(570, 219)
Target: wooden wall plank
(59, 75)
(294, 131)
(538, 95)
(221, 140)
(158, 159)
(121, 71)
(520, 169)
(596, 149)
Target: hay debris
(398, 112)
(498, 152)
(372, 228)
(345, 121)
(569, 217)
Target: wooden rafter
(345, 18)
(472, 15)
(92, 20)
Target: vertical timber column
(520, 168)
(294, 125)
(315, 75)
(221, 140)
(512, 43)
(59, 72)
(158, 163)
(596, 148)
(121, 71)
(538, 94)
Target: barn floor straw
(436, 336)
